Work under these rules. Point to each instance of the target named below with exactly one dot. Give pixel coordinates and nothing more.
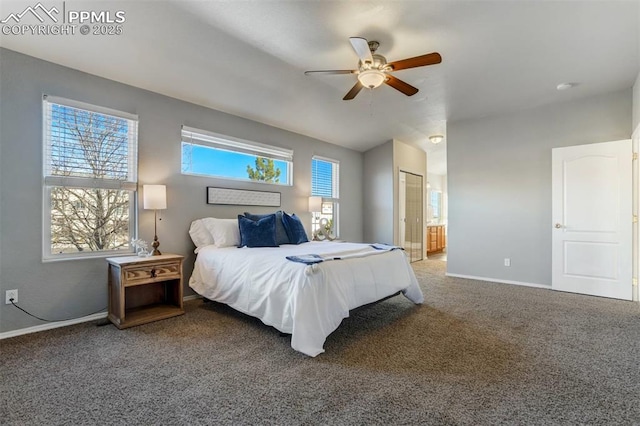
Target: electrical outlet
(507, 261)
(11, 294)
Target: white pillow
(225, 232)
(199, 234)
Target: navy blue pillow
(295, 229)
(257, 233)
(281, 233)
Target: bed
(308, 301)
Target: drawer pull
(153, 272)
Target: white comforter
(307, 301)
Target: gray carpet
(474, 353)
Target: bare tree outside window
(187, 158)
(101, 224)
(88, 147)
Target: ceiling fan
(373, 69)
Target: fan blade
(418, 61)
(331, 72)
(361, 46)
(400, 85)
(353, 92)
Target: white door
(592, 219)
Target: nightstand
(144, 289)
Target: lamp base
(155, 246)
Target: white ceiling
(249, 57)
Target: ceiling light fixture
(565, 86)
(371, 78)
(436, 139)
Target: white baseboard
(495, 280)
(52, 325)
(192, 297)
(58, 324)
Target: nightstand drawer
(135, 275)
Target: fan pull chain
(371, 103)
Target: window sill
(101, 255)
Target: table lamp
(155, 198)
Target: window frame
(220, 142)
(335, 191)
(51, 181)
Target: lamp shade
(371, 78)
(315, 204)
(155, 197)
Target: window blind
(87, 146)
(324, 177)
(228, 143)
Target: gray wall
(499, 183)
(75, 288)
(378, 194)
(382, 165)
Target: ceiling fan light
(436, 139)
(371, 78)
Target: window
(324, 183)
(436, 205)
(209, 154)
(90, 179)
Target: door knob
(558, 226)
